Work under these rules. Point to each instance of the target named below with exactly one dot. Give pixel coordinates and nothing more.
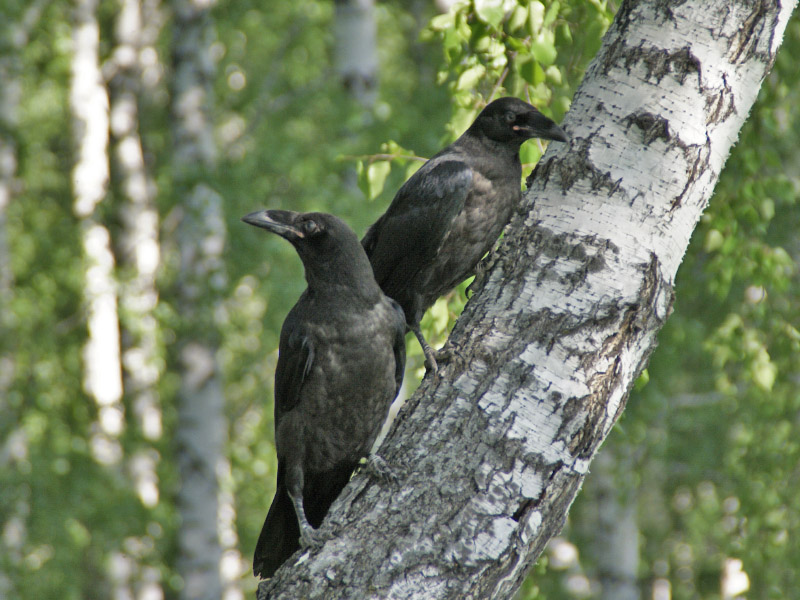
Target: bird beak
(554, 132)
(543, 128)
(276, 221)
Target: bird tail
(280, 534)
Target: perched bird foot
(312, 539)
(444, 354)
(430, 353)
(480, 274)
(431, 365)
(378, 468)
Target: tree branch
(492, 453)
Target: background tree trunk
(139, 259)
(141, 252)
(102, 365)
(356, 52)
(201, 238)
(492, 453)
(616, 538)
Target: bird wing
(411, 230)
(295, 359)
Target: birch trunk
(140, 257)
(615, 542)
(492, 454)
(356, 52)
(140, 247)
(201, 426)
(102, 364)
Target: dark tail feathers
(279, 537)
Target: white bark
(89, 101)
(492, 454)
(356, 51)
(140, 254)
(201, 233)
(141, 250)
(614, 525)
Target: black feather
(340, 365)
(449, 213)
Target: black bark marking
(745, 40)
(574, 166)
(652, 126)
(720, 105)
(697, 166)
(658, 62)
(523, 508)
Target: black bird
(449, 213)
(340, 365)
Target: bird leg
(380, 469)
(309, 537)
(430, 353)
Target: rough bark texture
(492, 453)
(200, 434)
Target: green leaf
(442, 22)
(490, 11)
(361, 178)
(764, 373)
(552, 14)
(470, 78)
(553, 74)
(517, 19)
(543, 48)
(642, 380)
(564, 34)
(714, 240)
(376, 177)
(535, 17)
(527, 69)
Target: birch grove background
(139, 319)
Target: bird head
(329, 249)
(510, 120)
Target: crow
(449, 213)
(341, 359)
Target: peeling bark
(492, 453)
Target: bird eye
(510, 117)
(310, 227)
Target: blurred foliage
(716, 477)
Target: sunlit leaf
(490, 11)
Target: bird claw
(380, 469)
(431, 364)
(312, 539)
(445, 354)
